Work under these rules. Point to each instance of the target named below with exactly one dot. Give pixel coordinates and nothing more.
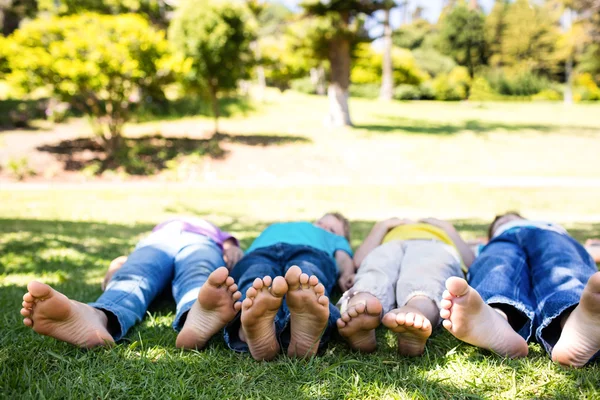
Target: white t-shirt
(518, 223)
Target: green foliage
(215, 40)
(407, 92)
(529, 38)
(4, 68)
(95, 63)
(365, 90)
(462, 36)
(585, 88)
(368, 67)
(282, 64)
(19, 168)
(415, 35)
(516, 82)
(495, 27)
(452, 86)
(590, 61)
(548, 95)
(432, 61)
(303, 85)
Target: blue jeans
(169, 255)
(275, 261)
(534, 274)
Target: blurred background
(458, 107)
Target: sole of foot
(358, 323)
(309, 312)
(217, 304)
(412, 328)
(259, 309)
(580, 337)
(51, 313)
(468, 318)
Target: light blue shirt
(301, 233)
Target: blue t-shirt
(302, 233)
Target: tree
(12, 12)
(341, 29)
(97, 63)
(495, 26)
(215, 39)
(387, 79)
(462, 36)
(530, 38)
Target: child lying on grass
(287, 275)
(531, 281)
(402, 266)
(187, 253)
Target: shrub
(548, 95)
(215, 39)
(368, 67)
(514, 82)
(303, 85)
(585, 88)
(19, 168)
(96, 63)
(367, 90)
(407, 92)
(433, 62)
(453, 86)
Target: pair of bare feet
(358, 323)
(470, 319)
(53, 314)
(309, 313)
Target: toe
(25, 312)
(323, 300)
(292, 276)
(444, 313)
(279, 287)
(27, 305)
(218, 276)
(457, 286)
(352, 312)
(446, 304)
(313, 280)
(236, 296)
(267, 280)
(340, 323)
(360, 307)
(426, 324)
(251, 292)
(247, 303)
(418, 321)
(389, 320)
(257, 284)
(229, 281)
(346, 317)
(39, 290)
(237, 306)
(447, 295)
(410, 319)
(304, 280)
(28, 297)
(233, 288)
(28, 322)
(320, 289)
(401, 318)
(447, 324)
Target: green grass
(68, 237)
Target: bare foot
(52, 314)
(217, 305)
(114, 266)
(469, 319)
(412, 328)
(309, 312)
(580, 337)
(357, 325)
(259, 308)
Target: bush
(511, 82)
(96, 63)
(368, 90)
(453, 86)
(303, 85)
(433, 62)
(19, 168)
(585, 88)
(548, 95)
(407, 92)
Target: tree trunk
(214, 101)
(260, 71)
(339, 58)
(568, 96)
(317, 77)
(387, 76)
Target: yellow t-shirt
(420, 231)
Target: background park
(117, 114)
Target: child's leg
(425, 268)
(124, 302)
(373, 292)
(496, 313)
(560, 269)
(258, 275)
(205, 294)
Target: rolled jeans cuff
(527, 330)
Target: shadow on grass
(427, 127)
(151, 154)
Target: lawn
(464, 162)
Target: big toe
(279, 286)
(39, 290)
(292, 276)
(593, 284)
(218, 276)
(457, 286)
